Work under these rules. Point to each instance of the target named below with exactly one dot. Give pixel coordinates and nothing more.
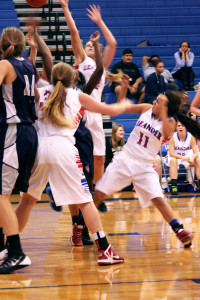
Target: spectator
(136, 87)
(148, 67)
(183, 70)
(182, 151)
(115, 143)
(155, 83)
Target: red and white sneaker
(76, 237)
(185, 237)
(109, 257)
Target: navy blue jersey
(17, 98)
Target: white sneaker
(14, 263)
(3, 254)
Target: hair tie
(12, 45)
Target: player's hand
(64, 2)
(186, 158)
(126, 103)
(94, 13)
(94, 38)
(191, 160)
(29, 37)
(125, 81)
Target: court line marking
(108, 234)
(124, 198)
(99, 283)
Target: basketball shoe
(174, 190)
(3, 254)
(185, 237)
(102, 207)
(13, 263)
(86, 239)
(109, 257)
(76, 236)
(51, 200)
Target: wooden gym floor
(156, 266)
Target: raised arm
(77, 46)
(94, 13)
(145, 60)
(96, 75)
(47, 60)
(33, 46)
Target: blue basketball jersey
(17, 98)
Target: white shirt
(87, 68)
(146, 138)
(72, 110)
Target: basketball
(36, 3)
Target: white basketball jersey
(42, 83)
(146, 138)
(87, 67)
(72, 110)
(182, 147)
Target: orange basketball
(36, 3)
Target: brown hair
(12, 42)
(174, 105)
(62, 78)
(113, 138)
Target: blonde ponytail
(114, 77)
(53, 109)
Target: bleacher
(8, 15)
(164, 24)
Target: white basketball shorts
(58, 163)
(124, 170)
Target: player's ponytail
(191, 125)
(53, 108)
(174, 104)
(12, 42)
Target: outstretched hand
(31, 40)
(94, 38)
(125, 81)
(32, 28)
(126, 103)
(64, 2)
(94, 13)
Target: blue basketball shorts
(18, 148)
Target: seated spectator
(155, 84)
(182, 151)
(114, 143)
(136, 87)
(183, 70)
(148, 67)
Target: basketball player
(58, 161)
(134, 163)
(182, 151)
(84, 62)
(18, 140)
